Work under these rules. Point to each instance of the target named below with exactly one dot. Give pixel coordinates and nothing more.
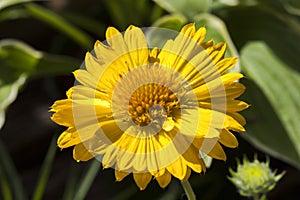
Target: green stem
(45, 171)
(263, 197)
(188, 190)
(259, 197)
(87, 180)
(255, 197)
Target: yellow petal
(137, 45)
(63, 112)
(228, 139)
(203, 64)
(68, 138)
(85, 78)
(216, 53)
(152, 158)
(110, 131)
(232, 76)
(87, 115)
(123, 152)
(80, 153)
(226, 64)
(234, 90)
(238, 117)
(207, 44)
(110, 157)
(153, 55)
(99, 140)
(115, 39)
(80, 92)
(164, 179)
(92, 64)
(142, 179)
(178, 52)
(215, 88)
(178, 169)
(202, 123)
(234, 125)
(236, 105)
(192, 159)
(188, 30)
(102, 53)
(120, 175)
(132, 154)
(222, 105)
(200, 35)
(217, 152)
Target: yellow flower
(150, 111)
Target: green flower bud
(254, 178)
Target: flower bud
(254, 178)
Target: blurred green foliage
(280, 84)
(265, 34)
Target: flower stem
(259, 197)
(188, 190)
(263, 197)
(255, 197)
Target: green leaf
(279, 31)
(187, 8)
(264, 129)
(8, 94)
(7, 3)
(87, 180)
(8, 168)
(4, 185)
(45, 171)
(292, 6)
(280, 84)
(17, 58)
(19, 61)
(174, 22)
(12, 14)
(73, 178)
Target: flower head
(150, 111)
(254, 178)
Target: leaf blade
(280, 84)
(87, 181)
(7, 3)
(45, 171)
(13, 178)
(19, 61)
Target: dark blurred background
(28, 130)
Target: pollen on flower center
(152, 103)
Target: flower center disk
(152, 104)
